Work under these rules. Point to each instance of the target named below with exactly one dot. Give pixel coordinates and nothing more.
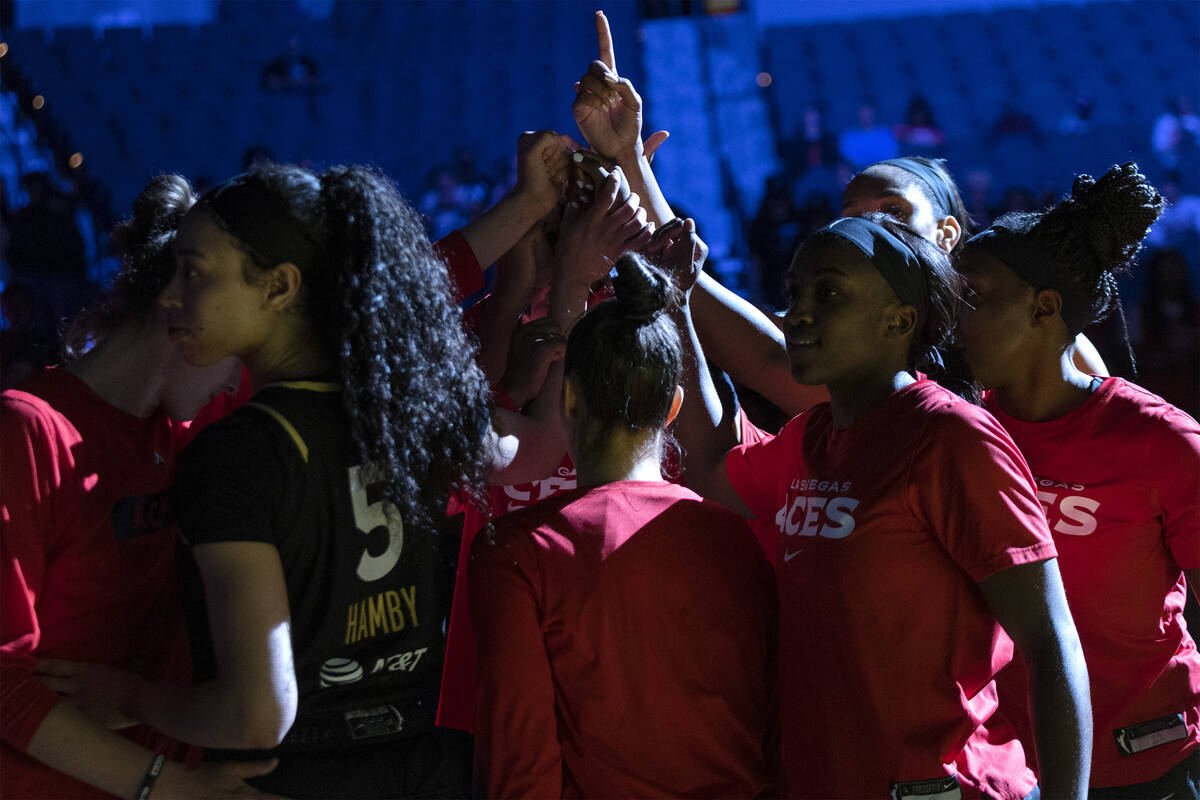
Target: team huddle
(310, 514)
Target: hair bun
(643, 291)
(156, 211)
(1114, 213)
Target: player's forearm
(701, 426)
(496, 230)
(215, 715)
(73, 744)
(1062, 716)
(643, 183)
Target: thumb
(252, 769)
(652, 143)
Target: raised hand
(607, 108)
(679, 250)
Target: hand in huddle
(542, 165)
(680, 251)
(535, 346)
(594, 234)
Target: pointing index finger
(606, 45)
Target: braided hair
(1096, 233)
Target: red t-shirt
(1119, 478)
(460, 259)
(887, 647)
(88, 569)
(627, 631)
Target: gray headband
(931, 179)
(1040, 269)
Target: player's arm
(541, 171)
(739, 338)
(1031, 606)
(251, 703)
(517, 752)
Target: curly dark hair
(144, 243)
(380, 299)
(1096, 232)
(625, 353)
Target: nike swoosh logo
(789, 556)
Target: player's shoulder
(1137, 406)
(26, 411)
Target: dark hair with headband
(936, 183)
(1078, 246)
(917, 271)
(378, 296)
(144, 243)
(625, 353)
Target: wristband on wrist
(151, 776)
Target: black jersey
(369, 594)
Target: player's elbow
(264, 724)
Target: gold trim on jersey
(287, 426)
(308, 386)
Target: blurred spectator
(869, 142)
(507, 169)
(1016, 198)
(774, 234)
(1169, 356)
(46, 251)
(27, 337)
(919, 134)
(1015, 123)
(473, 185)
(1078, 119)
(1176, 131)
(445, 203)
(812, 146)
(1179, 225)
(978, 196)
(290, 71)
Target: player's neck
(850, 403)
(1046, 390)
(127, 369)
(627, 457)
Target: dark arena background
(771, 106)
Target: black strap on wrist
(151, 776)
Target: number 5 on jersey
(369, 516)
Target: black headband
(1040, 269)
(895, 261)
(934, 183)
(255, 217)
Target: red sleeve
(464, 266)
(517, 753)
(1176, 488)
(754, 467)
(972, 488)
(35, 449)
